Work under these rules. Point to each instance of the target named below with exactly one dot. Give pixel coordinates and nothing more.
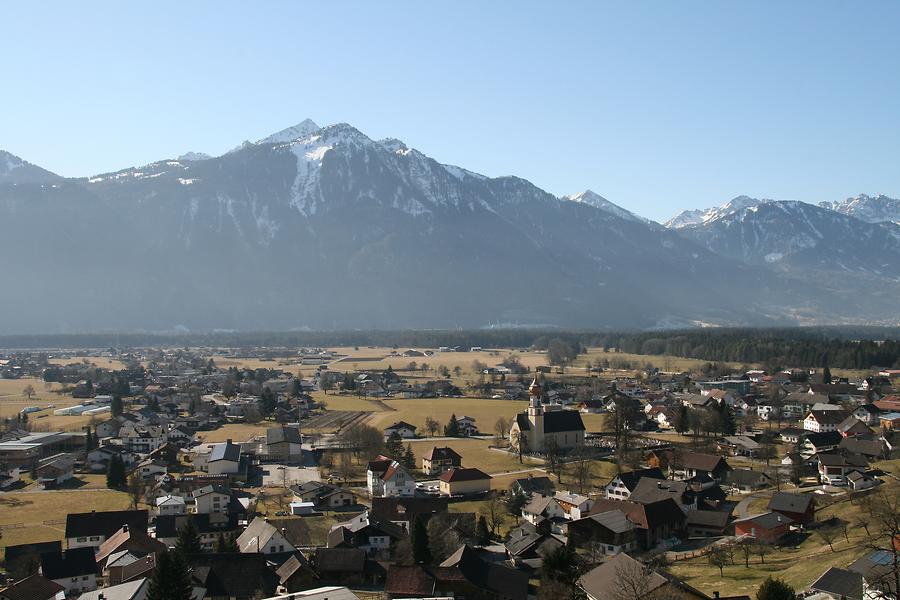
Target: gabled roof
(702, 462)
(651, 489)
(506, 582)
(35, 587)
(167, 526)
(827, 417)
(233, 574)
(400, 425)
(132, 540)
(225, 451)
(445, 453)
(256, 535)
(457, 475)
(340, 560)
(602, 581)
(275, 435)
(613, 520)
(824, 438)
(788, 502)
(558, 421)
(104, 523)
(124, 591)
(840, 583)
(769, 520)
(69, 563)
(746, 477)
(630, 479)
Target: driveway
(277, 475)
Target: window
(80, 540)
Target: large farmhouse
(534, 428)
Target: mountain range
(325, 228)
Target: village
(453, 471)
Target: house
(345, 566)
(439, 460)
(169, 505)
(840, 584)
(800, 508)
(464, 482)
(694, 464)
(34, 587)
(603, 582)
(867, 413)
(609, 532)
(74, 569)
(296, 574)
(375, 537)
(530, 485)
(463, 575)
(738, 445)
(323, 496)
(9, 476)
(136, 543)
(649, 490)
(574, 506)
(655, 522)
(467, 426)
(210, 527)
(824, 420)
(769, 527)
(852, 427)
(621, 486)
(213, 499)
(93, 528)
(233, 575)
(792, 435)
(224, 459)
(55, 470)
(404, 511)
(747, 480)
(130, 590)
(860, 481)
(151, 468)
(834, 466)
(889, 421)
(527, 545)
(869, 446)
(544, 508)
(402, 429)
(707, 523)
(262, 536)
(284, 444)
(815, 443)
(877, 572)
(534, 429)
(387, 477)
(22, 560)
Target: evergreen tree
(452, 427)
(394, 447)
(826, 374)
(775, 589)
(153, 404)
(188, 541)
(267, 401)
(171, 579)
(682, 419)
(88, 440)
(729, 425)
(226, 544)
(115, 473)
(420, 545)
(409, 459)
(515, 502)
(482, 533)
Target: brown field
(475, 453)
(484, 411)
(101, 362)
(39, 512)
(237, 432)
(12, 401)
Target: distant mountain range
(323, 227)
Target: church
(541, 423)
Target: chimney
(228, 441)
(715, 594)
(125, 527)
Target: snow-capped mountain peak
(16, 170)
(597, 201)
(700, 216)
(194, 156)
(872, 209)
(301, 130)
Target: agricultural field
(97, 361)
(13, 400)
(27, 517)
(414, 411)
(237, 432)
(475, 453)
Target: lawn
(475, 453)
(40, 513)
(484, 411)
(237, 432)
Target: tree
(409, 458)
(501, 428)
(451, 429)
(560, 571)
(188, 540)
(267, 401)
(582, 468)
(88, 440)
(115, 473)
(718, 557)
(554, 458)
(519, 441)
(482, 534)
(171, 579)
(115, 407)
(226, 544)
(431, 426)
(136, 489)
(746, 548)
(457, 371)
(420, 546)
(394, 446)
(682, 419)
(760, 549)
(826, 374)
(493, 512)
(828, 533)
(515, 502)
(28, 392)
(775, 589)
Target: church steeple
(535, 407)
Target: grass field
(40, 513)
(799, 567)
(475, 453)
(485, 412)
(237, 432)
(12, 401)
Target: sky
(657, 106)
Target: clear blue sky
(658, 106)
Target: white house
(388, 478)
(170, 505)
(575, 506)
(224, 459)
(263, 537)
(401, 428)
(211, 499)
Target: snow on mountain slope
(304, 129)
(689, 218)
(15, 170)
(194, 156)
(597, 201)
(871, 209)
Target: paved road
(743, 507)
